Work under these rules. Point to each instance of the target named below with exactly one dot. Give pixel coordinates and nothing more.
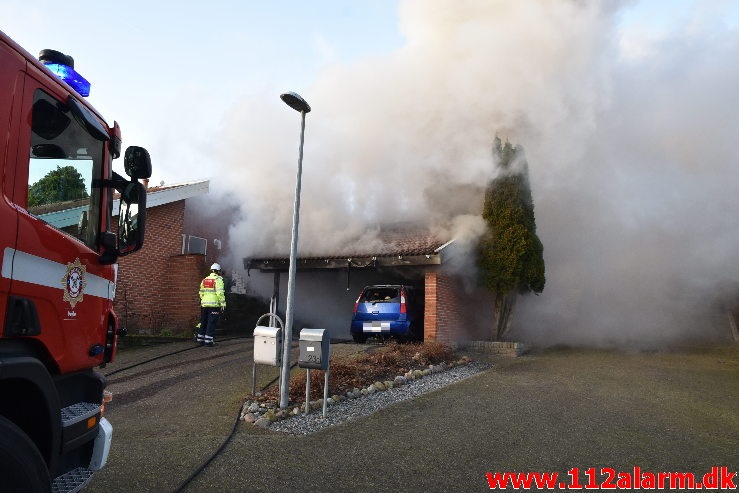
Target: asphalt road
(547, 411)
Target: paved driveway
(547, 411)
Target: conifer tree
(510, 256)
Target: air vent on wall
(195, 245)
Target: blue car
(387, 310)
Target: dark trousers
(208, 320)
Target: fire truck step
(72, 481)
(78, 412)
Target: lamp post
(299, 104)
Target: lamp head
(296, 102)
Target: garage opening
(328, 286)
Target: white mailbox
(268, 345)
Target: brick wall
(442, 318)
(152, 292)
(182, 303)
(455, 313)
(430, 308)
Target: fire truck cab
(58, 251)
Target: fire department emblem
(74, 282)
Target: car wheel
(21, 466)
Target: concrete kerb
(497, 348)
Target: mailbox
(314, 349)
(268, 345)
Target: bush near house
(239, 319)
(241, 315)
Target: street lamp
(299, 104)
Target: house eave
(172, 193)
(317, 263)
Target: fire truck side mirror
(137, 163)
(131, 218)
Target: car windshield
(380, 295)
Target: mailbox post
(267, 347)
(314, 354)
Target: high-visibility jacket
(212, 294)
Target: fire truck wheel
(22, 468)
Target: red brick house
(157, 286)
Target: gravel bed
(349, 409)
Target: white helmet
(215, 267)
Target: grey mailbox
(314, 349)
(268, 345)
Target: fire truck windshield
(65, 159)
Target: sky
(627, 112)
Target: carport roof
(396, 247)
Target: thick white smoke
(631, 146)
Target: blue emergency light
(63, 66)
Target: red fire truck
(58, 251)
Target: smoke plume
(630, 140)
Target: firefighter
(212, 304)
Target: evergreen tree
(510, 256)
(59, 185)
